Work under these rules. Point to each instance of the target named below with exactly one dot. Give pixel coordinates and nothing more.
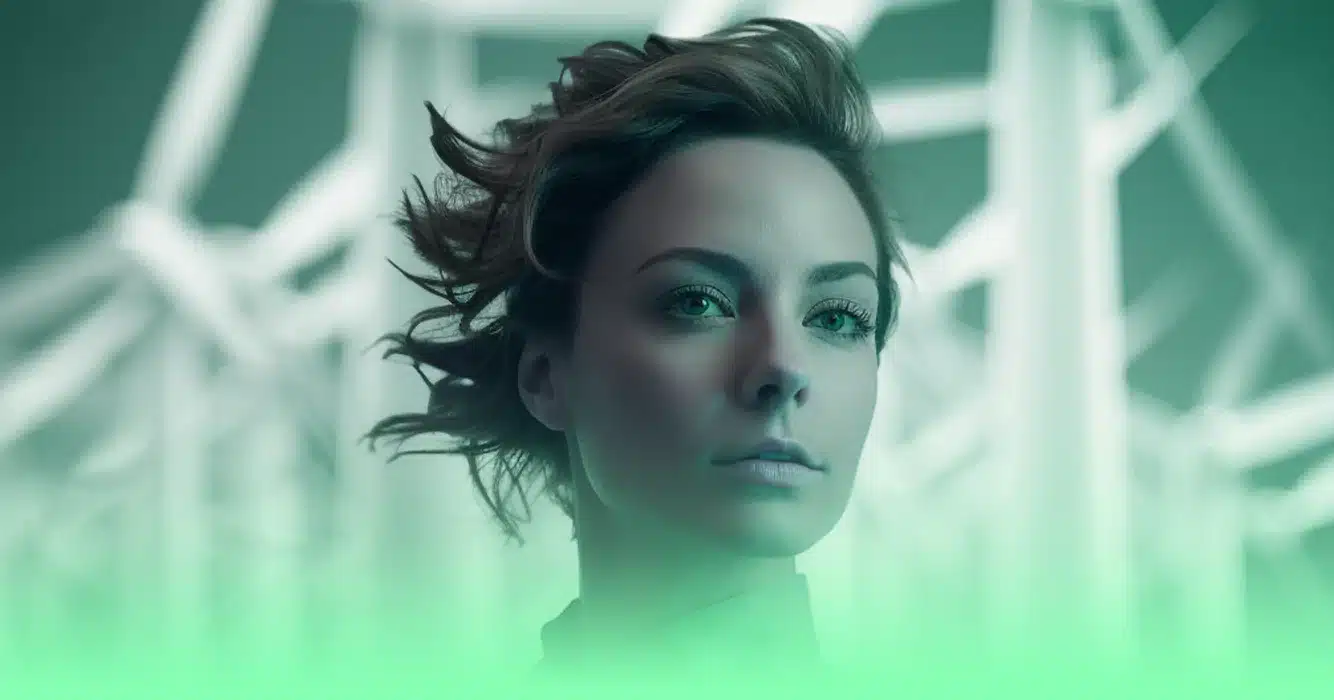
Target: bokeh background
(1121, 327)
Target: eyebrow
(731, 266)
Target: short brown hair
(516, 220)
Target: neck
(628, 581)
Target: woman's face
(730, 299)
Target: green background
(81, 81)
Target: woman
(696, 282)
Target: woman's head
(689, 257)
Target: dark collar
(772, 623)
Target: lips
(774, 450)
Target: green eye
(691, 303)
(843, 318)
(833, 321)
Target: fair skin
(681, 358)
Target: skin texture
(677, 364)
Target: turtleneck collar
(772, 623)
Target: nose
(774, 379)
(780, 387)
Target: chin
(768, 545)
(774, 534)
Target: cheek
(845, 408)
(866, 385)
(643, 400)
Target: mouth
(774, 451)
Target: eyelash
(863, 322)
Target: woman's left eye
(844, 319)
(834, 320)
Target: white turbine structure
(1003, 457)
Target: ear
(542, 384)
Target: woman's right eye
(691, 303)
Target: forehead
(772, 204)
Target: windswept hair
(513, 222)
